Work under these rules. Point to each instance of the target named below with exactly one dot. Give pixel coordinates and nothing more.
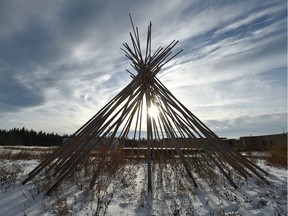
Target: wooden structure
(171, 129)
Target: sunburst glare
(153, 111)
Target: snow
(126, 194)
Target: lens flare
(153, 111)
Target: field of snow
(125, 193)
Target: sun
(153, 111)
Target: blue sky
(60, 61)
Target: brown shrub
(278, 155)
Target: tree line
(27, 137)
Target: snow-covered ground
(125, 194)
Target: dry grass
(278, 155)
(17, 153)
(116, 175)
(274, 155)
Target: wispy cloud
(60, 62)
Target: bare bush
(8, 174)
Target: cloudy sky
(60, 61)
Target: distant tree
(27, 137)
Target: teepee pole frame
(174, 135)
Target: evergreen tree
(27, 137)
